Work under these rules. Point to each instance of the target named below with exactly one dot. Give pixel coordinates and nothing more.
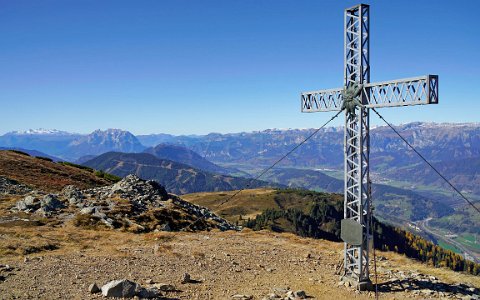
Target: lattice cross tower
(356, 231)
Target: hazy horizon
(234, 132)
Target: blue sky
(194, 67)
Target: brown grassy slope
(248, 203)
(45, 175)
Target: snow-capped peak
(40, 131)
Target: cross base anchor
(364, 285)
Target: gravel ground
(221, 263)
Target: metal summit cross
(357, 97)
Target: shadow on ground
(426, 287)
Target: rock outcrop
(12, 187)
(45, 206)
(131, 204)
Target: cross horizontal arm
(402, 92)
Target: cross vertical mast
(357, 142)
(357, 96)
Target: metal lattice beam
(357, 139)
(402, 92)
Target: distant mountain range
(463, 173)
(443, 144)
(72, 146)
(40, 131)
(177, 178)
(436, 141)
(52, 142)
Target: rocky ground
(56, 246)
(221, 265)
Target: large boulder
(28, 204)
(48, 205)
(122, 288)
(150, 293)
(51, 203)
(132, 185)
(71, 191)
(74, 195)
(89, 210)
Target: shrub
(44, 158)
(20, 152)
(88, 222)
(107, 176)
(66, 163)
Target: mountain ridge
(177, 178)
(185, 156)
(456, 140)
(101, 141)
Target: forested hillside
(396, 204)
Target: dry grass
(7, 202)
(17, 241)
(246, 204)
(87, 221)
